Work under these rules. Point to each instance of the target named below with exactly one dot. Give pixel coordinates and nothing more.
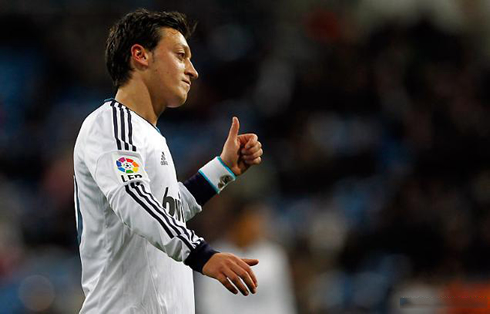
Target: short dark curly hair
(139, 27)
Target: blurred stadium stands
(374, 116)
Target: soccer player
(137, 253)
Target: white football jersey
(131, 216)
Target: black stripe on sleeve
(200, 188)
(165, 227)
(130, 135)
(123, 128)
(114, 120)
(79, 213)
(128, 190)
(194, 235)
(188, 232)
(162, 213)
(157, 207)
(119, 123)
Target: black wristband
(200, 188)
(200, 256)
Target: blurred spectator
(248, 226)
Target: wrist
(227, 165)
(218, 174)
(200, 256)
(225, 161)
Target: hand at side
(226, 267)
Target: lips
(188, 82)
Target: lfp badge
(127, 165)
(129, 168)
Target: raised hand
(240, 152)
(228, 268)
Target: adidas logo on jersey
(163, 160)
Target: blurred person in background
(247, 235)
(131, 210)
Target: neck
(136, 96)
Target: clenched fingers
(248, 140)
(255, 161)
(252, 149)
(252, 141)
(253, 156)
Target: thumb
(250, 262)
(235, 126)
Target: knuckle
(222, 269)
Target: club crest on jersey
(129, 167)
(224, 180)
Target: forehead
(172, 38)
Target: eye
(181, 55)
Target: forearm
(210, 180)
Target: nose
(191, 71)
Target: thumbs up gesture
(241, 151)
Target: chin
(177, 103)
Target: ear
(139, 55)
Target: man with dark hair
(136, 250)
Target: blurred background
(373, 114)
